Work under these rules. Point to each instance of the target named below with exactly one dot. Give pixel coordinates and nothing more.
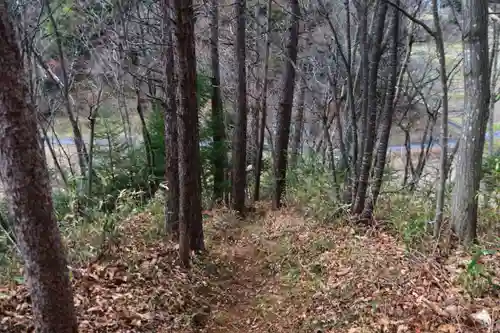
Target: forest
(263, 166)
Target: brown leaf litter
(277, 273)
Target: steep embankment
(276, 272)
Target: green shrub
(117, 167)
(491, 169)
(476, 279)
(312, 185)
(156, 128)
(410, 222)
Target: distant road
(69, 141)
(413, 146)
(454, 124)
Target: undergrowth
(408, 215)
(310, 252)
(312, 187)
(123, 183)
(298, 270)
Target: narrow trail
(275, 272)
(294, 275)
(256, 286)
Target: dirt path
(298, 276)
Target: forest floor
(274, 272)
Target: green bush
(491, 179)
(312, 185)
(118, 166)
(491, 168)
(156, 128)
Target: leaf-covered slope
(275, 273)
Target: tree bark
(477, 95)
(364, 68)
(172, 204)
(371, 117)
(285, 112)
(240, 130)
(263, 104)
(218, 135)
(443, 159)
(27, 187)
(253, 130)
(350, 118)
(386, 116)
(190, 219)
(299, 120)
(493, 84)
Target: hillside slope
(276, 272)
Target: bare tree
(386, 116)
(263, 102)
(65, 91)
(26, 180)
(171, 135)
(477, 97)
(437, 35)
(219, 149)
(190, 219)
(240, 130)
(443, 160)
(285, 113)
(370, 108)
(298, 126)
(494, 78)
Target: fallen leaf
(447, 328)
(435, 307)
(452, 310)
(482, 317)
(344, 271)
(402, 329)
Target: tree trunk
(371, 117)
(190, 220)
(253, 130)
(135, 59)
(351, 127)
(27, 187)
(263, 104)
(443, 159)
(90, 179)
(218, 135)
(299, 120)
(171, 135)
(329, 148)
(285, 112)
(477, 96)
(386, 117)
(494, 81)
(240, 130)
(364, 68)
